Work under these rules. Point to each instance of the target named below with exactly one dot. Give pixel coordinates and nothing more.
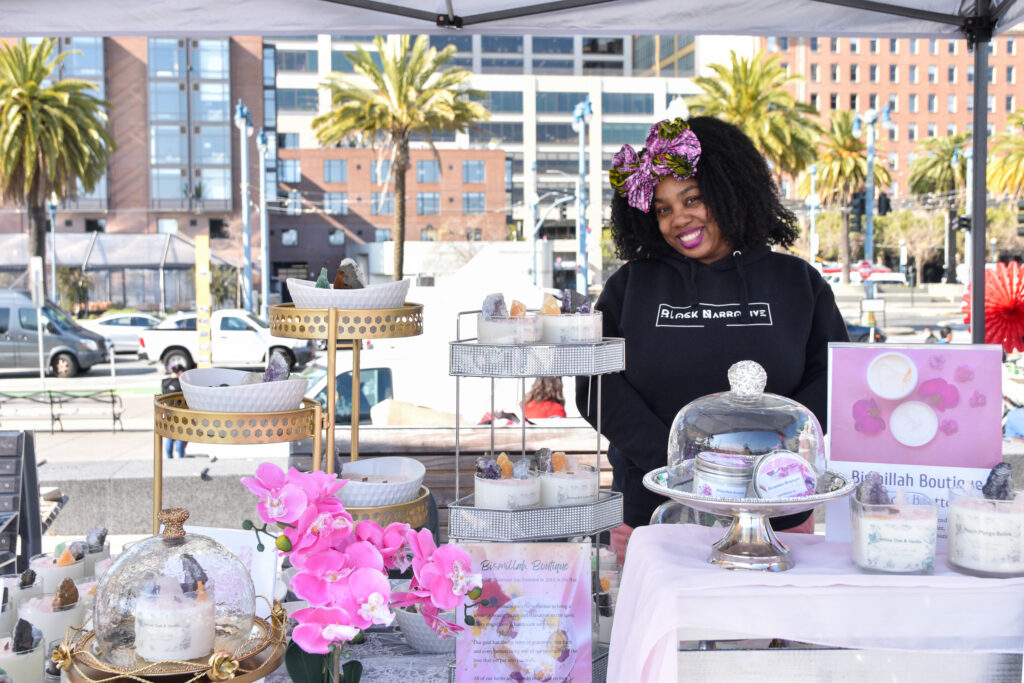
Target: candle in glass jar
(16, 594)
(173, 625)
(24, 666)
(897, 537)
(92, 558)
(524, 329)
(52, 621)
(986, 536)
(52, 570)
(572, 328)
(506, 494)
(569, 488)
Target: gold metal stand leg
(318, 435)
(354, 451)
(332, 383)
(158, 481)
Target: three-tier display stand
(466, 522)
(352, 326)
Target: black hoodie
(685, 323)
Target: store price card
(927, 417)
(536, 624)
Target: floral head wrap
(672, 149)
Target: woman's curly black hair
(735, 184)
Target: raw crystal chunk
(488, 468)
(77, 550)
(277, 368)
(551, 305)
(95, 538)
(506, 466)
(28, 577)
(573, 302)
(558, 462)
(65, 559)
(194, 574)
(542, 458)
(322, 282)
(349, 276)
(517, 309)
(67, 594)
(999, 485)
(25, 636)
(494, 306)
(521, 469)
(872, 490)
(584, 307)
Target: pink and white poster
(536, 623)
(927, 417)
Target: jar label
(705, 484)
(894, 543)
(784, 475)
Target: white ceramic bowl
(389, 295)
(421, 637)
(369, 493)
(203, 392)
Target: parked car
(68, 348)
(862, 333)
(122, 329)
(236, 338)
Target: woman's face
(685, 222)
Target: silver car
(122, 329)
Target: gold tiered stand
(353, 325)
(173, 419)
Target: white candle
(174, 627)
(568, 488)
(53, 623)
(572, 328)
(22, 667)
(522, 330)
(92, 558)
(45, 566)
(16, 595)
(506, 494)
(898, 538)
(986, 536)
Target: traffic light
(1020, 218)
(963, 222)
(856, 212)
(884, 205)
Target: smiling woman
(694, 216)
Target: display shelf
(469, 523)
(468, 358)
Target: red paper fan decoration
(1004, 306)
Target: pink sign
(536, 623)
(926, 404)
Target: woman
(544, 399)
(694, 215)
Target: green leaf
(302, 666)
(351, 672)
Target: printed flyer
(924, 416)
(533, 620)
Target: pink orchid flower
(322, 577)
(390, 541)
(447, 577)
(318, 528)
(320, 487)
(867, 418)
(280, 501)
(437, 623)
(939, 394)
(422, 545)
(319, 628)
(366, 598)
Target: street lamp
(261, 146)
(245, 129)
(813, 204)
(581, 116)
(52, 206)
(869, 119)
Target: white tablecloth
(667, 584)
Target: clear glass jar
(721, 475)
(744, 421)
(986, 537)
(177, 596)
(897, 537)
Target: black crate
(10, 444)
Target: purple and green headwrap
(672, 149)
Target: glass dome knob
(747, 379)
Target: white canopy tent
(975, 21)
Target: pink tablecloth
(667, 584)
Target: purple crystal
(77, 549)
(574, 302)
(872, 490)
(194, 574)
(999, 485)
(277, 368)
(488, 468)
(25, 636)
(585, 307)
(322, 282)
(521, 469)
(95, 538)
(494, 306)
(542, 458)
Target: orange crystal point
(605, 584)
(558, 461)
(506, 466)
(66, 559)
(517, 309)
(551, 306)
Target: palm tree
(408, 94)
(752, 95)
(53, 135)
(842, 170)
(1006, 165)
(941, 164)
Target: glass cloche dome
(178, 596)
(744, 421)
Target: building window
(1011, 47)
(621, 133)
(952, 47)
(380, 170)
(214, 184)
(559, 46)
(913, 73)
(382, 204)
(287, 140)
(894, 102)
(493, 65)
(772, 43)
(501, 43)
(912, 132)
(428, 171)
(461, 43)
(933, 46)
(505, 101)
(289, 170)
(913, 104)
(293, 205)
(873, 101)
(1009, 103)
(894, 160)
(933, 74)
(473, 171)
(894, 46)
(932, 130)
(913, 46)
(290, 237)
(854, 45)
(893, 133)
(167, 226)
(854, 73)
(630, 103)
(168, 183)
(814, 44)
(815, 75)
(428, 203)
(970, 74)
(168, 145)
(336, 203)
(335, 171)
(496, 132)
(336, 237)
(1010, 75)
(951, 74)
(970, 104)
(297, 60)
(834, 72)
(814, 100)
(834, 45)
(873, 73)
(833, 100)
(297, 99)
(873, 46)
(95, 224)
(951, 104)
(474, 235)
(894, 73)
(991, 103)
(473, 203)
(602, 46)
(167, 101)
(429, 233)
(382, 235)
(991, 74)
(552, 67)
(933, 103)
(166, 58)
(218, 229)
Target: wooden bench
(60, 404)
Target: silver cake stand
(749, 542)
